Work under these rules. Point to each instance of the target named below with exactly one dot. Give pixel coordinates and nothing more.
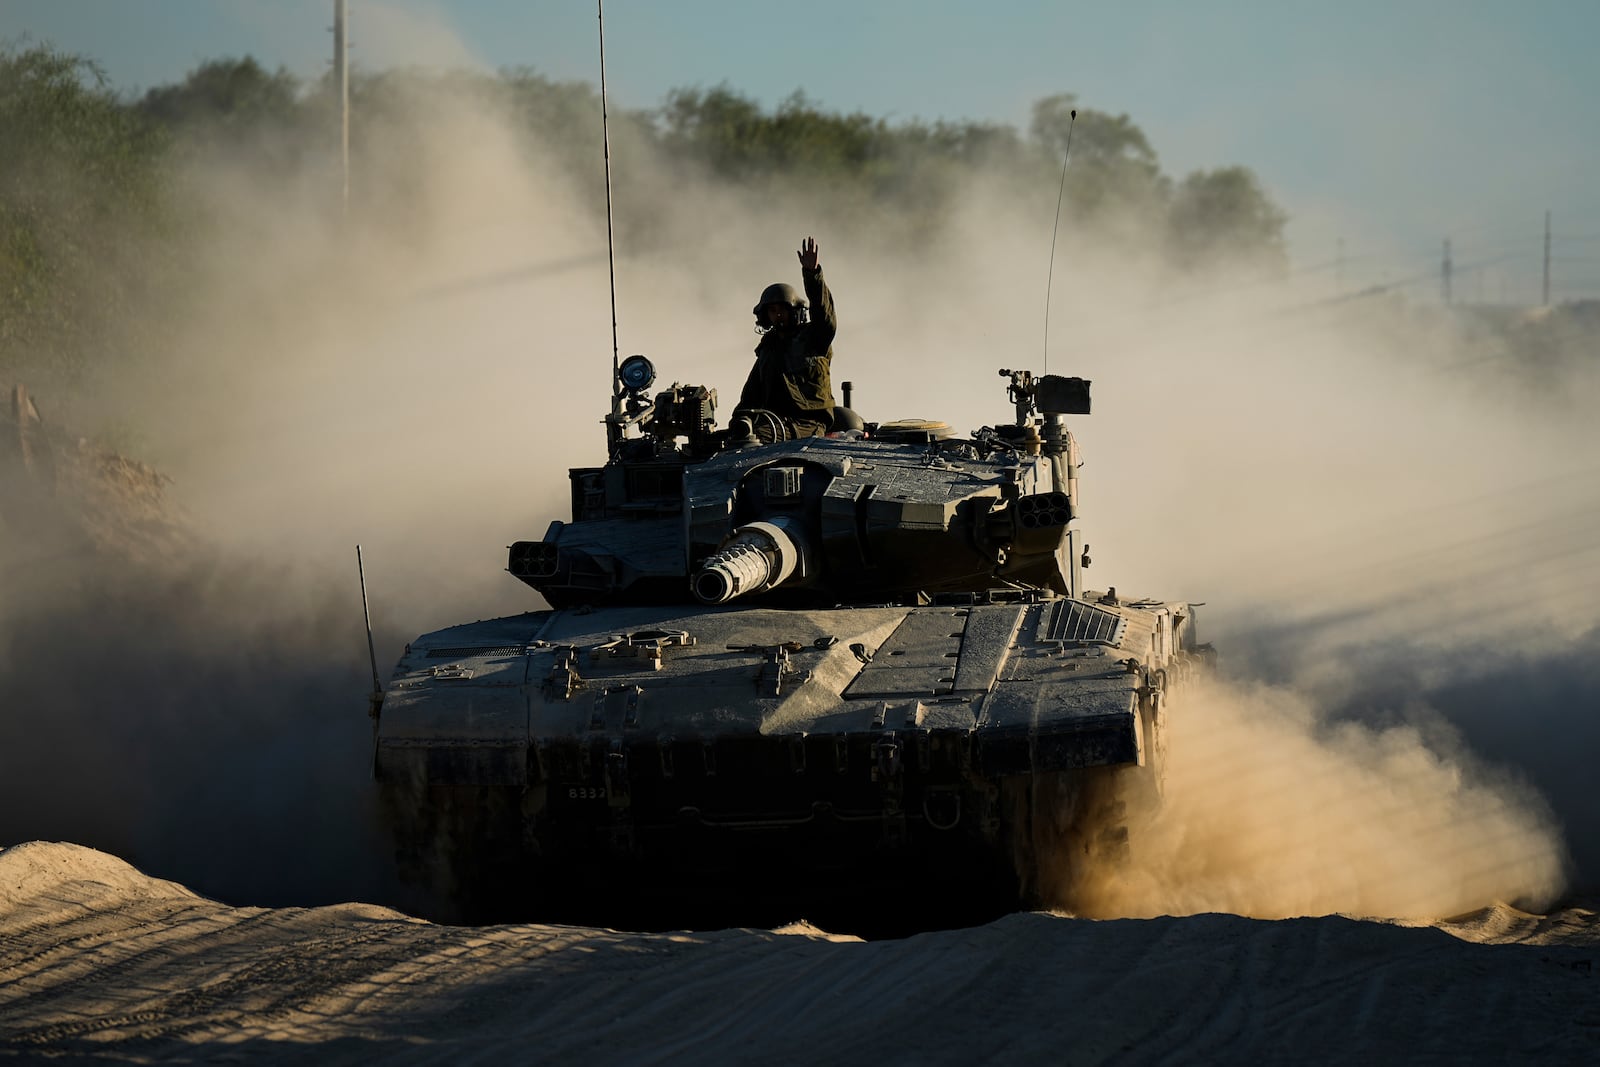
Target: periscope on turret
(839, 660)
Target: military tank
(853, 677)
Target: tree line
(94, 223)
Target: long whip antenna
(611, 247)
(1054, 230)
(375, 701)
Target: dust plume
(1271, 810)
(1389, 513)
(1395, 541)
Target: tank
(855, 678)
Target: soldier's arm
(823, 325)
(820, 330)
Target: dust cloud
(1272, 810)
(417, 375)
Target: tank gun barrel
(759, 556)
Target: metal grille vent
(1074, 622)
(475, 653)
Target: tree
(80, 180)
(1097, 137)
(1112, 172)
(1225, 214)
(231, 94)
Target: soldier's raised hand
(808, 254)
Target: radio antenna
(611, 247)
(1050, 279)
(375, 701)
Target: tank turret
(682, 512)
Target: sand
(100, 961)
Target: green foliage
(1098, 139)
(903, 177)
(730, 136)
(564, 114)
(1112, 172)
(230, 94)
(95, 226)
(913, 170)
(80, 188)
(1224, 214)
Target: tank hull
(653, 765)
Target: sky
(1382, 128)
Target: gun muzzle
(759, 556)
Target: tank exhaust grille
(1076, 623)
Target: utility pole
(1338, 267)
(341, 77)
(1444, 273)
(1547, 258)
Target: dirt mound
(57, 871)
(98, 961)
(61, 494)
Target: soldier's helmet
(780, 293)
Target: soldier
(791, 376)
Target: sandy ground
(98, 961)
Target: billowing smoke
(1337, 481)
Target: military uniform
(792, 372)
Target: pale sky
(1388, 125)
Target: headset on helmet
(780, 293)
